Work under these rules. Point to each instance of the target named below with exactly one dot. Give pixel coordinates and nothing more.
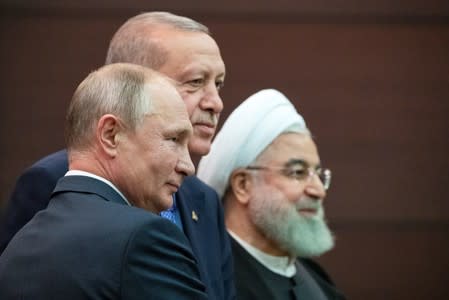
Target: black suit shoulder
(31, 194)
(53, 161)
(83, 246)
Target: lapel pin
(194, 216)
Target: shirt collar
(88, 174)
(282, 265)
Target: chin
(168, 202)
(199, 147)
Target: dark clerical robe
(254, 281)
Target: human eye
(179, 137)
(172, 136)
(297, 173)
(197, 82)
(172, 139)
(219, 84)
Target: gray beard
(280, 222)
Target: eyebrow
(177, 129)
(297, 161)
(203, 70)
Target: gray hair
(133, 42)
(118, 89)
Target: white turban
(249, 129)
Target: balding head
(137, 42)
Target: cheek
(291, 192)
(167, 157)
(266, 202)
(191, 100)
(294, 197)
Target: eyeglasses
(299, 173)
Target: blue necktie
(170, 214)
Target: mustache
(308, 203)
(205, 117)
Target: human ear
(108, 130)
(241, 185)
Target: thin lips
(307, 203)
(175, 184)
(211, 125)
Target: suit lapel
(191, 207)
(85, 184)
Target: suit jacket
(199, 206)
(89, 244)
(251, 286)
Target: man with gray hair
(183, 50)
(269, 176)
(127, 132)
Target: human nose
(211, 99)
(185, 164)
(315, 187)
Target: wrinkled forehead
(184, 48)
(164, 96)
(173, 38)
(169, 113)
(290, 148)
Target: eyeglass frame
(324, 174)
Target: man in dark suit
(183, 50)
(127, 133)
(272, 185)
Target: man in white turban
(265, 166)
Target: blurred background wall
(370, 77)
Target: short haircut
(133, 42)
(119, 89)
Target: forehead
(290, 146)
(189, 51)
(167, 104)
